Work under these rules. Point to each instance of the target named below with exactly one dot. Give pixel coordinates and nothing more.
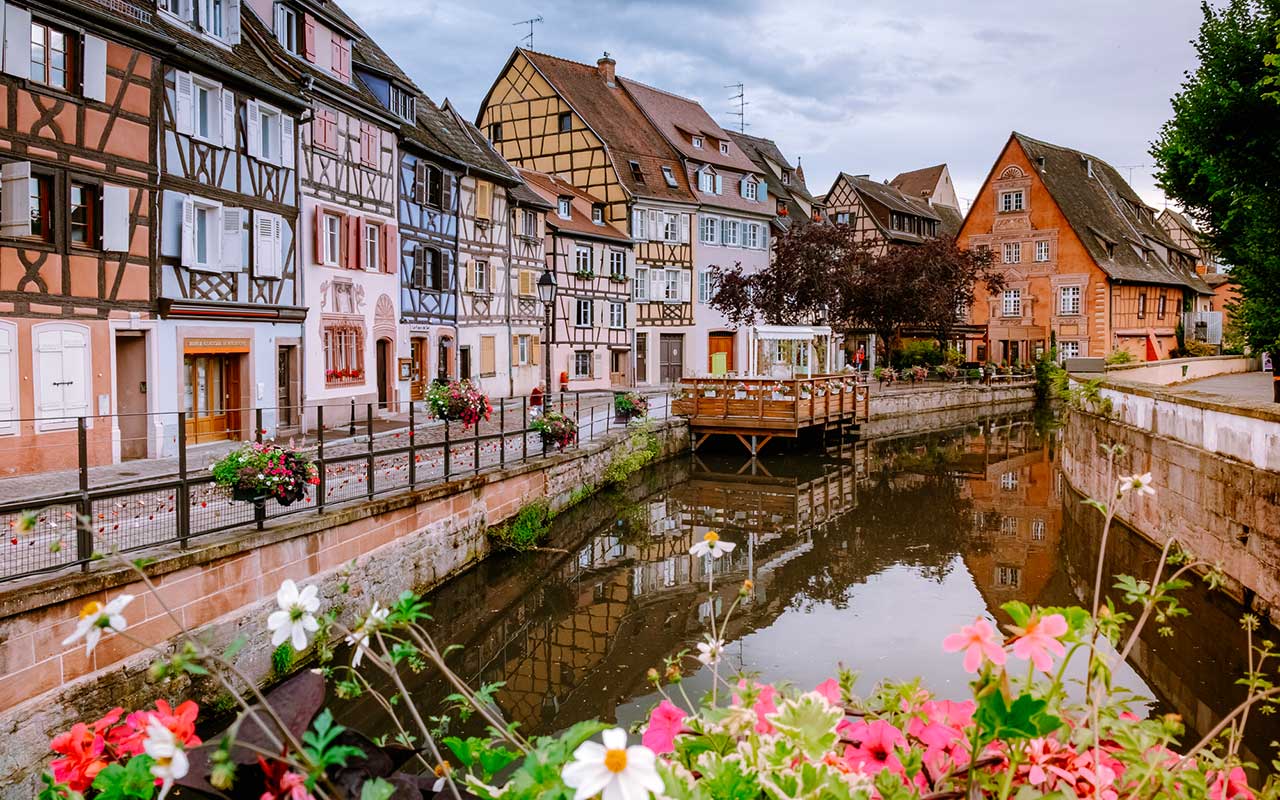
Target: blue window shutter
(719, 184)
(762, 192)
(742, 187)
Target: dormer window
(669, 176)
(402, 104)
(709, 182)
(288, 31)
(724, 148)
(495, 131)
(564, 207)
(636, 174)
(597, 213)
(786, 177)
(210, 13)
(697, 142)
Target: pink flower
(830, 690)
(665, 723)
(764, 705)
(1230, 785)
(1040, 639)
(978, 641)
(873, 747)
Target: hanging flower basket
(262, 470)
(630, 405)
(458, 401)
(556, 429)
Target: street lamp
(547, 294)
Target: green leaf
(809, 722)
(133, 781)
(1020, 612)
(376, 789)
(1026, 718)
(234, 648)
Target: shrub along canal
(866, 555)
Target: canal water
(865, 555)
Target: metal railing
(388, 448)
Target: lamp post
(547, 294)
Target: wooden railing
(771, 404)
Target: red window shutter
(309, 37)
(390, 252)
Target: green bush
(1119, 356)
(1051, 378)
(526, 529)
(918, 353)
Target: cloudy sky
(877, 86)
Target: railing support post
(524, 429)
(502, 434)
(369, 459)
(184, 489)
(258, 430)
(447, 454)
(84, 510)
(321, 469)
(413, 450)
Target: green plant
(580, 494)
(458, 400)
(640, 448)
(282, 660)
(556, 428)
(266, 469)
(1119, 356)
(1051, 378)
(526, 529)
(918, 352)
(630, 405)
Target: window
(1009, 576)
(709, 182)
(582, 363)
(697, 142)
(522, 349)
(1037, 530)
(618, 264)
(206, 107)
(786, 177)
(842, 217)
(372, 246)
(206, 226)
(480, 276)
(1069, 300)
(331, 240)
(1160, 306)
(1009, 481)
(597, 213)
(403, 104)
(529, 223)
(708, 230)
(636, 174)
(1012, 252)
(83, 202)
(582, 258)
(1009, 525)
(1042, 251)
(1142, 305)
(40, 194)
(50, 56)
(672, 228)
(343, 351)
(668, 176)
(675, 278)
(582, 313)
(749, 189)
(708, 285)
(729, 233)
(564, 206)
(495, 131)
(617, 315)
(268, 146)
(751, 235)
(428, 269)
(210, 16)
(724, 148)
(640, 286)
(287, 29)
(564, 123)
(1011, 303)
(1069, 350)
(1011, 201)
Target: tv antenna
(530, 22)
(740, 99)
(1131, 168)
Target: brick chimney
(605, 66)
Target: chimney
(605, 66)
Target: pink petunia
(1040, 639)
(665, 723)
(978, 641)
(1233, 785)
(874, 747)
(830, 690)
(764, 704)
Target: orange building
(1086, 265)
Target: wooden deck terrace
(757, 409)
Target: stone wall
(224, 588)
(1177, 370)
(1221, 507)
(923, 410)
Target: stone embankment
(924, 410)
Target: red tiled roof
(918, 182)
(552, 188)
(677, 118)
(616, 118)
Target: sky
(869, 86)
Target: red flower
(83, 756)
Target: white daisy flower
(296, 617)
(171, 760)
(1142, 484)
(711, 545)
(359, 638)
(97, 619)
(612, 770)
(710, 651)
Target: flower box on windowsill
(340, 377)
(584, 275)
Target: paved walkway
(1254, 387)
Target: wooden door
(232, 402)
(383, 351)
(285, 390)
(642, 358)
(720, 342)
(421, 370)
(671, 357)
(212, 397)
(619, 360)
(131, 395)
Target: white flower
(710, 651)
(711, 546)
(359, 638)
(96, 619)
(1139, 483)
(612, 770)
(296, 616)
(171, 760)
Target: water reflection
(866, 555)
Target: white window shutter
(183, 107)
(277, 237)
(17, 41)
(15, 198)
(599, 313)
(267, 255)
(188, 232)
(233, 21)
(115, 219)
(658, 284)
(685, 281)
(94, 59)
(184, 10)
(8, 380)
(232, 238)
(75, 365)
(229, 119)
(253, 125)
(684, 228)
(286, 141)
(655, 225)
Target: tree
(1219, 156)
(942, 279)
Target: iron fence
(59, 521)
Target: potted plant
(585, 274)
(259, 470)
(556, 428)
(458, 400)
(627, 406)
(919, 373)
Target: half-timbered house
(933, 185)
(593, 263)
(229, 289)
(880, 214)
(577, 121)
(733, 222)
(1086, 265)
(77, 169)
(348, 170)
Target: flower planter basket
(556, 429)
(458, 401)
(248, 496)
(629, 405)
(261, 470)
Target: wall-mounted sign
(204, 345)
